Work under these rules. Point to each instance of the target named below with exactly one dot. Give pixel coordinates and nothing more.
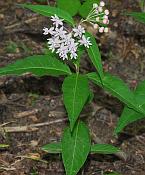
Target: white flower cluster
(98, 17)
(65, 43)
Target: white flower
(68, 38)
(85, 41)
(54, 43)
(63, 42)
(73, 55)
(60, 32)
(56, 20)
(78, 31)
(63, 51)
(46, 31)
(72, 45)
(102, 3)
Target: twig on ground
(32, 127)
(26, 113)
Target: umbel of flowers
(65, 43)
(98, 17)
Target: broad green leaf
(104, 149)
(129, 115)
(86, 7)
(139, 16)
(46, 10)
(118, 89)
(75, 148)
(75, 94)
(52, 148)
(38, 65)
(94, 54)
(71, 6)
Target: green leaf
(95, 55)
(49, 11)
(118, 89)
(38, 65)
(52, 148)
(75, 94)
(71, 6)
(104, 149)
(75, 148)
(129, 115)
(91, 96)
(139, 16)
(86, 7)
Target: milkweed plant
(67, 40)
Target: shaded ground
(28, 100)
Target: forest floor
(31, 109)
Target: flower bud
(95, 5)
(102, 3)
(97, 11)
(97, 19)
(105, 17)
(101, 29)
(100, 9)
(105, 21)
(106, 12)
(106, 30)
(96, 26)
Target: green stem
(77, 68)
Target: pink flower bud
(96, 26)
(105, 21)
(105, 17)
(101, 29)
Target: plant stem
(77, 68)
